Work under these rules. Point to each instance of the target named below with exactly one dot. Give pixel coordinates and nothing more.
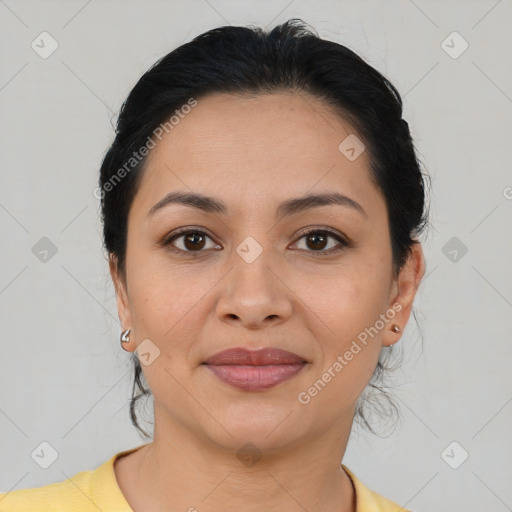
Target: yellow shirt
(94, 490)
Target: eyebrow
(289, 207)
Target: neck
(178, 471)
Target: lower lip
(254, 378)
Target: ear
(123, 309)
(403, 291)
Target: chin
(267, 428)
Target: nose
(254, 295)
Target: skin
(253, 153)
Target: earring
(395, 328)
(125, 337)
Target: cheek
(348, 298)
(349, 345)
(349, 304)
(336, 389)
(168, 306)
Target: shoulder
(72, 494)
(87, 491)
(367, 500)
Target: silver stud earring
(125, 336)
(395, 328)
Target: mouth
(255, 370)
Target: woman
(262, 203)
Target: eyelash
(343, 243)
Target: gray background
(64, 378)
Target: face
(250, 276)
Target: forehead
(284, 125)
(250, 149)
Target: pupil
(315, 238)
(192, 238)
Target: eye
(189, 240)
(317, 239)
(193, 240)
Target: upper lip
(261, 357)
